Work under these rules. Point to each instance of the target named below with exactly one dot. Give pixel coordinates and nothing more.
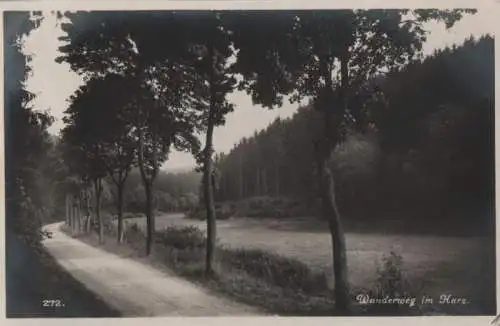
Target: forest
(429, 158)
(387, 136)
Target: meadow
(435, 265)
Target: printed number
(52, 303)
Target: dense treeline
(431, 155)
(174, 192)
(31, 275)
(27, 139)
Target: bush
(189, 237)
(107, 221)
(183, 249)
(391, 284)
(133, 234)
(273, 208)
(222, 212)
(263, 207)
(276, 270)
(106, 217)
(187, 245)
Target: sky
(53, 83)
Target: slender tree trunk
(120, 210)
(75, 218)
(150, 220)
(87, 208)
(332, 215)
(68, 210)
(264, 182)
(148, 184)
(258, 191)
(78, 215)
(208, 194)
(73, 214)
(332, 117)
(98, 192)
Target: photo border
(64, 5)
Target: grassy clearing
(283, 285)
(443, 264)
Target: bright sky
(54, 83)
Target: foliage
(277, 270)
(251, 276)
(222, 212)
(189, 237)
(392, 284)
(174, 192)
(27, 139)
(424, 143)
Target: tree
(87, 129)
(158, 77)
(299, 53)
(118, 142)
(423, 139)
(27, 139)
(213, 82)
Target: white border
(64, 5)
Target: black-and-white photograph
(333, 162)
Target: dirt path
(133, 288)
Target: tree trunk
(120, 211)
(264, 182)
(148, 184)
(258, 191)
(78, 216)
(332, 215)
(208, 194)
(87, 208)
(98, 192)
(333, 114)
(73, 215)
(150, 220)
(68, 210)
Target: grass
(435, 264)
(294, 283)
(253, 277)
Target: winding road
(132, 287)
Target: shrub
(133, 234)
(277, 270)
(391, 284)
(189, 237)
(106, 217)
(197, 213)
(273, 207)
(186, 245)
(222, 212)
